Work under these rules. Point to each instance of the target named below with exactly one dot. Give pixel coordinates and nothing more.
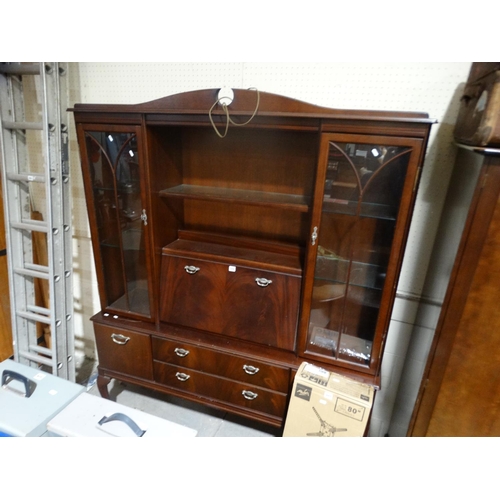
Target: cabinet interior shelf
(119, 189)
(343, 272)
(131, 240)
(243, 196)
(371, 210)
(136, 300)
(331, 291)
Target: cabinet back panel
(255, 222)
(265, 160)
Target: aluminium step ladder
(35, 179)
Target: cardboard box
(326, 404)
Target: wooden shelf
(241, 196)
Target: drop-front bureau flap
(216, 293)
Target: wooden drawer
(246, 303)
(221, 364)
(221, 389)
(124, 351)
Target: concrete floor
(206, 421)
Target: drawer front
(245, 303)
(224, 365)
(124, 351)
(220, 389)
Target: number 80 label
(349, 409)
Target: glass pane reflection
(362, 193)
(114, 167)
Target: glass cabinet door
(118, 218)
(361, 188)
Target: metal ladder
(35, 171)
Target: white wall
(434, 88)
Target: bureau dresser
(234, 241)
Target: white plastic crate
(93, 416)
(29, 398)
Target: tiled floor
(208, 422)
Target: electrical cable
(228, 117)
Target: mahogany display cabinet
(228, 253)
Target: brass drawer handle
(182, 353)
(263, 281)
(249, 394)
(182, 376)
(251, 370)
(118, 338)
(191, 269)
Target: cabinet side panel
(164, 170)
